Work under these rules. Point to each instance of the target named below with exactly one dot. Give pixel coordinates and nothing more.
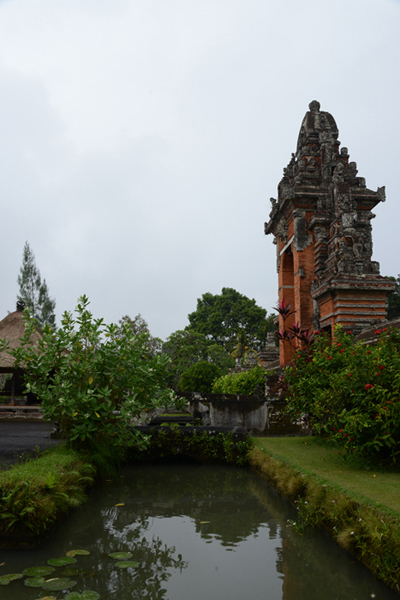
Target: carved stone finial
(381, 193)
(314, 106)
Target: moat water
(193, 532)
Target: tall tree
(222, 318)
(186, 347)
(139, 327)
(33, 292)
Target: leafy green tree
(186, 347)
(393, 300)
(140, 327)
(199, 377)
(220, 357)
(33, 292)
(93, 379)
(222, 318)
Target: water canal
(193, 532)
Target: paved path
(22, 438)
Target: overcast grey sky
(141, 140)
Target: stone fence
(257, 414)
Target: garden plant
(350, 391)
(244, 382)
(93, 379)
(199, 377)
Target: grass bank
(37, 493)
(360, 507)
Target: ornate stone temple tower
(321, 223)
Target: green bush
(240, 383)
(199, 377)
(93, 379)
(351, 392)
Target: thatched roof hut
(12, 329)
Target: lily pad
(61, 562)
(5, 579)
(90, 595)
(38, 571)
(59, 584)
(121, 555)
(48, 598)
(77, 553)
(86, 595)
(34, 581)
(125, 564)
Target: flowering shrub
(350, 392)
(93, 379)
(240, 383)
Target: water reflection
(199, 531)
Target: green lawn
(372, 485)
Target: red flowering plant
(309, 380)
(350, 392)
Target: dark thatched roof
(12, 329)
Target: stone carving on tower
(321, 223)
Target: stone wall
(256, 414)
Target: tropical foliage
(244, 382)
(93, 379)
(139, 327)
(222, 317)
(199, 377)
(186, 347)
(350, 391)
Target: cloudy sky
(141, 140)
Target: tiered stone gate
(321, 223)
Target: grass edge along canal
(34, 495)
(359, 507)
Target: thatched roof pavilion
(12, 329)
